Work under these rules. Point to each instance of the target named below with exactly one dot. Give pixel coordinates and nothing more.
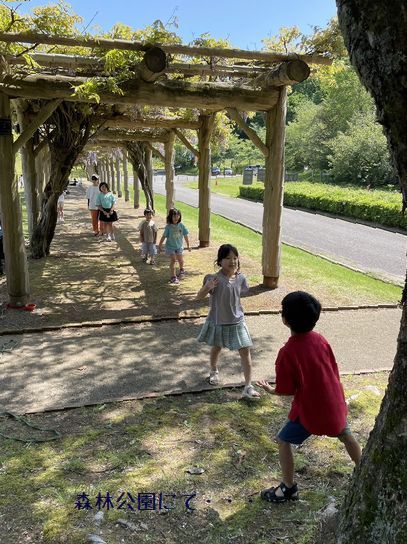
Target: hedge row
(382, 207)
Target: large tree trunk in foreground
(67, 131)
(375, 507)
(140, 156)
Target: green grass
(307, 269)
(148, 445)
(228, 186)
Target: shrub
(382, 207)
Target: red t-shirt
(306, 368)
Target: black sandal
(288, 493)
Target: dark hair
(148, 210)
(94, 177)
(301, 311)
(171, 213)
(105, 184)
(224, 251)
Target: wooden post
(149, 167)
(273, 191)
(105, 177)
(169, 171)
(28, 167)
(125, 177)
(204, 162)
(13, 238)
(118, 178)
(112, 179)
(136, 188)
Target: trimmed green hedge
(382, 207)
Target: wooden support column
(273, 191)
(13, 238)
(169, 171)
(204, 162)
(112, 178)
(125, 177)
(105, 176)
(136, 188)
(118, 178)
(149, 167)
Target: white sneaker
(214, 377)
(249, 392)
(109, 239)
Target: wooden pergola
(223, 83)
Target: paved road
(374, 250)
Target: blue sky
(245, 23)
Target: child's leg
(173, 260)
(214, 357)
(246, 364)
(286, 457)
(180, 259)
(352, 447)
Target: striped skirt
(226, 336)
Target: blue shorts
(294, 433)
(170, 252)
(148, 248)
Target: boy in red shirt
(306, 368)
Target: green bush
(382, 207)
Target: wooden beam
(13, 237)
(40, 118)
(156, 152)
(252, 134)
(100, 43)
(215, 70)
(185, 141)
(288, 73)
(97, 64)
(115, 135)
(174, 94)
(125, 122)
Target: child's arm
(160, 245)
(264, 384)
(187, 242)
(207, 288)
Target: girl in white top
(225, 325)
(60, 207)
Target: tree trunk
(118, 177)
(30, 184)
(67, 131)
(374, 510)
(140, 157)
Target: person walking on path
(174, 234)
(91, 194)
(225, 325)
(105, 202)
(60, 207)
(306, 368)
(148, 237)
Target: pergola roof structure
(155, 76)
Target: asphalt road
(374, 250)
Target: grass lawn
(300, 270)
(150, 446)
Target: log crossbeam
(238, 119)
(186, 142)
